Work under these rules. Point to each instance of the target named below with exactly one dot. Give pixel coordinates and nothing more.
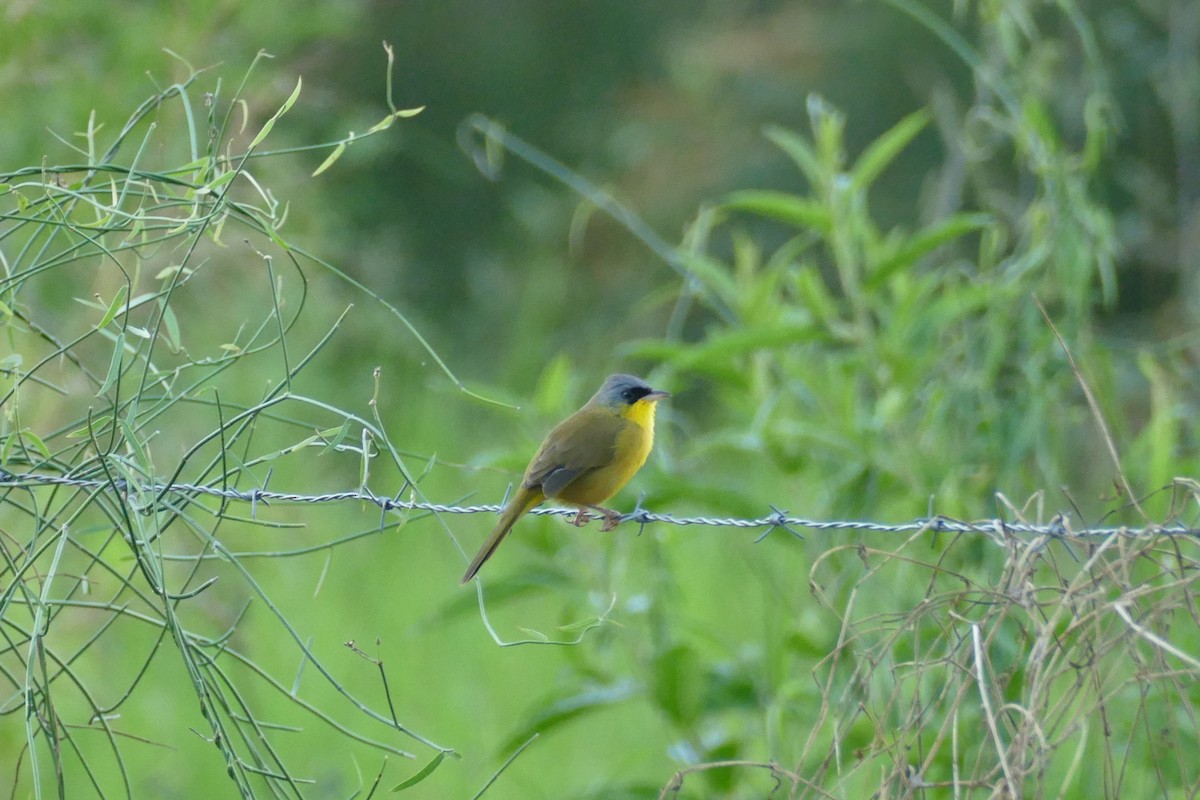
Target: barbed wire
(1058, 527)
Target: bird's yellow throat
(641, 412)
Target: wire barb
(778, 519)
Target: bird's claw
(611, 518)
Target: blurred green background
(865, 198)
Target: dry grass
(1050, 677)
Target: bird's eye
(634, 393)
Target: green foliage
(852, 348)
(121, 393)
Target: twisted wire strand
(1058, 527)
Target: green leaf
(114, 366)
(883, 151)
(720, 353)
(829, 134)
(553, 385)
(568, 708)
(817, 298)
(800, 212)
(114, 307)
(1157, 443)
(98, 424)
(679, 685)
(713, 274)
(171, 271)
(332, 157)
(926, 241)
(1047, 142)
(266, 128)
(218, 182)
(37, 442)
(390, 119)
(800, 151)
(136, 446)
(338, 436)
(172, 325)
(421, 774)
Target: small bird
(586, 459)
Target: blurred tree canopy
(664, 105)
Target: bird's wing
(559, 478)
(583, 442)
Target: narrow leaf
(169, 272)
(678, 685)
(114, 366)
(883, 151)
(338, 438)
(421, 774)
(266, 128)
(570, 707)
(172, 325)
(926, 241)
(332, 157)
(713, 274)
(792, 209)
(98, 424)
(217, 182)
(800, 151)
(390, 119)
(36, 441)
(114, 307)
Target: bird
(586, 459)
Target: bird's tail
(524, 500)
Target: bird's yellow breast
(630, 451)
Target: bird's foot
(584, 516)
(611, 519)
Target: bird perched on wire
(586, 459)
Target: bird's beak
(657, 395)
